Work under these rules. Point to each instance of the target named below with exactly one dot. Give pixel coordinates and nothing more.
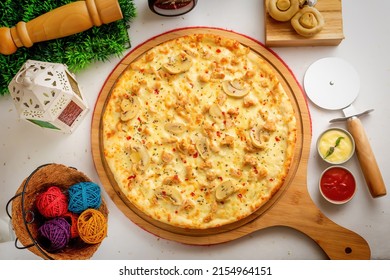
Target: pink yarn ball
(52, 203)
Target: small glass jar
(171, 8)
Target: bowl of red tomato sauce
(337, 184)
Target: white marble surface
(23, 147)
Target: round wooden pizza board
(291, 207)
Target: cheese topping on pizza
(198, 132)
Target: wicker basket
(26, 219)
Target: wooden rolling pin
(58, 23)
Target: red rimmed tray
(291, 207)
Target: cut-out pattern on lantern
(48, 95)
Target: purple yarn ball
(54, 234)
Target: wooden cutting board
(291, 207)
(281, 34)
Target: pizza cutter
(333, 84)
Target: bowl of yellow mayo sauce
(335, 145)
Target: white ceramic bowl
(335, 145)
(337, 184)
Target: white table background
(23, 147)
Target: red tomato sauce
(337, 184)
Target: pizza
(198, 132)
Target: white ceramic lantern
(48, 95)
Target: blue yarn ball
(82, 196)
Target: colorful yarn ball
(92, 226)
(71, 218)
(54, 234)
(52, 203)
(84, 195)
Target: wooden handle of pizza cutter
(61, 22)
(366, 157)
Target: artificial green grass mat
(76, 51)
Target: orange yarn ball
(52, 203)
(92, 226)
(71, 218)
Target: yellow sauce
(342, 152)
